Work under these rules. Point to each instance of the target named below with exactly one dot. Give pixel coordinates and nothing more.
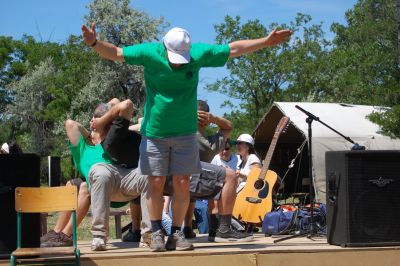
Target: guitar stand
(312, 232)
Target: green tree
(117, 23)
(364, 61)
(284, 72)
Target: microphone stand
(310, 118)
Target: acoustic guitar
(255, 199)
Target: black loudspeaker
(54, 171)
(363, 198)
(17, 170)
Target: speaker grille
(374, 198)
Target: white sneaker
(99, 244)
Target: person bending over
(168, 146)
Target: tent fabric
(350, 120)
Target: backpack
(284, 220)
(280, 221)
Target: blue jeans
(201, 215)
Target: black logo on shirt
(189, 75)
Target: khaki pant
(114, 183)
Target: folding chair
(45, 199)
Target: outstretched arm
(104, 49)
(123, 109)
(243, 47)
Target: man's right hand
(89, 35)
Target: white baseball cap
(245, 138)
(5, 147)
(177, 42)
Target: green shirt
(171, 93)
(85, 156)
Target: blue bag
(319, 218)
(279, 222)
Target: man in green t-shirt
(168, 147)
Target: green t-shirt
(171, 93)
(85, 156)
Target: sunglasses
(227, 148)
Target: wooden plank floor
(262, 251)
(261, 244)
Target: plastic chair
(39, 200)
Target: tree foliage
(284, 72)
(359, 66)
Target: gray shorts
(206, 185)
(169, 156)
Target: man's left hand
(277, 37)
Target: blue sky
(54, 20)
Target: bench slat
(26, 252)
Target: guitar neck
(268, 157)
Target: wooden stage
(261, 252)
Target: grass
(83, 231)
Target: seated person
(86, 150)
(248, 158)
(225, 157)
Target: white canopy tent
(350, 120)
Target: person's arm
(74, 131)
(225, 126)
(242, 47)
(136, 127)
(104, 49)
(123, 109)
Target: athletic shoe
(145, 240)
(49, 235)
(232, 236)
(188, 232)
(62, 240)
(99, 243)
(157, 241)
(177, 241)
(132, 236)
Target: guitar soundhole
(259, 184)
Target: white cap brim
(176, 58)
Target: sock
(174, 229)
(224, 223)
(156, 225)
(213, 223)
(187, 228)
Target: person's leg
(212, 219)
(154, 162)
(81, 211)
(184, 161)
(180, 202)
(136, 213)
(187, 229)
(228, 193)
(63, 217)
(225, 208)
(61, 235)
(102, 182)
